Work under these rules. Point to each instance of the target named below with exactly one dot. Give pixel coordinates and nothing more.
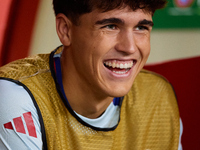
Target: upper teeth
(118, 64)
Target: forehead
(125, 14)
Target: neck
(83, 100)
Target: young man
(91, 93)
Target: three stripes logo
(20, 126)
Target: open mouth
(119, 67)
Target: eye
(139, 28)
(110, 26)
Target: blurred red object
(17, 18)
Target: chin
(119, 92)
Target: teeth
(110, 64)
(126, 65)
(115, 64)
(120, 72)
(121, 66)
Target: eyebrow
(120, 21)
(146, 22)
(109, 20)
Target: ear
(63, 26)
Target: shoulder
(151, 81)
(149, 85)
(25, 67)
(148, 76)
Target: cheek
(102, 43)
(100, 49)
(144, 46)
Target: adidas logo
(20, 126)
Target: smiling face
(107, 50)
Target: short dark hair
(73, 9)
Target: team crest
(183, 3)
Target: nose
(126, 42)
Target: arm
(19, 121)
(181, 132)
